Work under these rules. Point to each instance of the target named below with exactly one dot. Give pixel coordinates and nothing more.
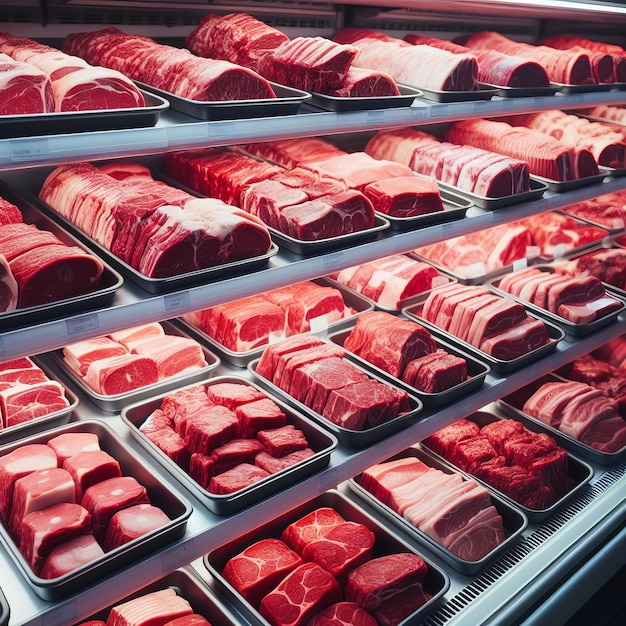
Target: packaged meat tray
(578, 473)
(190, 595)
(113, 457)
(84, 121)
(335, 506)
(365, 103)
(367, 434)
(595, 312)
(476, 373)
(115, 402)
(513, 520)
(498, 365)
(354, 302)
(287, 102)
(140, 418)
(110, 279)
(56, 417)
(513, 406)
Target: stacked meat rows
(132, 358)
(527, 467)
(248, 323)
(577, 299)
(171, 69)
(27, 393)
(608, 264)
(496, 325)
(37, 268)
(607, 112)
(316, 374)
(458, 514)
(226, 436)
(323, 565)
(157, 229)
(37, 78)
(66, 502)
(405, 350)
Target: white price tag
(26, 149)
(82, 324)
(333, 261)
(176, 301)
(520, 264)
(319, 324)
(275, 337)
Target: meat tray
(349, 437)
(167, 284)
(111, 280)
(577, 330)
(118, 401)
(568, 185)
(476, 371)
(351, 299)
(174, 505)
(287, 102)
(56, 418)
(510, 406)
(187, 584)
(321, 442)
(365, 103)
(499, 366)
(387, 542)
(521, 92)
(84, 121)
(579, 474)
(483, 93)
(537, 189)
(514, 521)
(589, 88)
(5, 610)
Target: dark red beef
(343, 614)
(89, 468)
(436, 372)
(259, 415)
(444, 440)
(396, 609)
(234, 452)
(269, 359)
(281, 441)
(170, 442)
(232, 395)
(236, 478)
(70, 555)
(210, 429)
(273, 464)
(310, 527)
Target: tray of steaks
(578, 304)
(228, 441)
(62, 122)
(342, 104)
(336, 554)
(529, 469)
(521, 92)
(495, 328)
(32, 398)
(134, 364)
(426, 498)
(286, 102)
(407, 355)
(180, 595)
(49, 274)
(318, 378)
(77, 505)
(582, 417)
(256, 321)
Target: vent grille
(522, 549)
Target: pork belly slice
(257, 570)
(259, 415)
(274, 464)
(492, 319)
(20, 402)
(70, 555)
(173, 355)
(549, 401)
(404, 196)
(310, 527)
(210, 429)
(343, 613)
(133, 522)
(382, 479)
(81, 354)
(237, 478)
(66, 445)
(90, 467)
(120, 374)
(156, 607)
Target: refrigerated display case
(559, 562)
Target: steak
(91, 467)
(272, 464)
(21, 402)
(435, 372)
(119, 374)
(66, 445)
(156, 607)
(70, 555)
(269, 358)
(259, 415)
(310, 527)
(232, 453)
(361, 82)
(404, 196)
(81, 354)
(25, 89)
(133, 522)
(233, 395)
(343, 614)
(173, 354)
(237, 478)
(283, 440)
(210, 429)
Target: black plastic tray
(174, 506)
(567, 185)
(386, 542)
(483, 93)
(589, 88)
(514, 521)
(521, 92)
(287, 102)
(111, 280)
(84, 121)
(341, 105)
(476, 371)
(321, 442)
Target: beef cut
(90, 467)
(25, 89)
(66, 445)
(120, 374)
(24, 400)
(343, 614)
(159, 606)
(70, 555)
(310, 527)
(608, 265)
(133, 522)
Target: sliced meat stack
(110, 366)
(316, 374)
(251, 322)
(608, 209)
(24, 89)
(608, 265)
(545, 155)
(322, 568)
(528, 467)
(75, 85)
(484, 172)
(26, 393)
(157, 229)
(496, 325)
(577, 299)
(456, 513)
(171, 69)
(405, 350)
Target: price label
(375, 117)
(333, 261)
(175, 301)
(82, 324)
(178, 556)
(65, 614)
(319, 323)
(27, 149)
(328, 479)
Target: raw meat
(133, 522)
(66, 445)
(21, 402)
(210, 428)
(361, 82)
(233, 395)
(171, 443)
(25, 89)
(90, 467)
(343, 614)
(269, 359)
(8, 287)
(310, 527)
(157, 607)
(435, 372)
(120, 374)
(281, 441)
(404, 196)
(259, 415)
(232, 453)
(128, 336)
(609, 265)
(81, 354)
(70, 555)
(288, 363)
(239, 477)
(173, 354)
